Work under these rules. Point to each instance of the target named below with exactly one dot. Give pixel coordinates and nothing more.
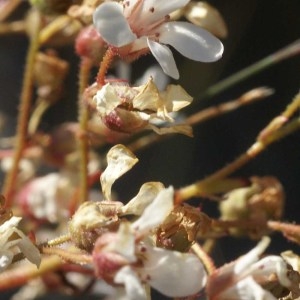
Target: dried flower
(129, 109)
(91, 220)
(119, 161)
(260, 202)
(181, 227)
(49, 74)
(136, 26)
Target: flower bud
(89, 44)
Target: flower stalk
(23, 117)
(285, 53)
(271, 135)
(83, 116)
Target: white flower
(242, 279)
(141, 25)
(127, 257)
(10, 246)
(44, 198)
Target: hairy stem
(23, 116)
(21, 275)
(78, 258)
(104, 66)
(83, 116)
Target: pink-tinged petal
(173, 273)
(124, 243)
(264, 268)
(133, 286)
(165, 58)
(113, 27)
(155, 10)
(191, 41)
(246, 289)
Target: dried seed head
(181, 227)
(91, 220)
(260, 202)
(49, 74)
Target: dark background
(256, 29)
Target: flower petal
(106, 99)
(119, 161)
(165, 58)
(159, 77)
(148, 97)
(243, 263)
(173, 273)
(264, 268)
(145, 196)
(156, 212)
(175, 98)
(133, 286)
(110, 22)
(191, 41)
(246, 289)
(125, 242)
(29, 250)
(155, 10)
(179, 128)
(5, 259)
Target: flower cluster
(59, 232)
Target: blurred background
(256, 29)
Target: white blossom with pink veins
(244, 278)
(135, 25)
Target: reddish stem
(104, 66)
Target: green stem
(280, 55)
(199, 188)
